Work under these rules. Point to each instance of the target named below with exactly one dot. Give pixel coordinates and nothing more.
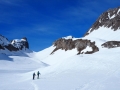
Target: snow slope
(82, 72)
(64, 70)
(104, 33)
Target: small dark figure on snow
(34, 76)
(38, 73)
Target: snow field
(64, 70)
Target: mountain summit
(14, 45)
(109, 19)
(104, 33)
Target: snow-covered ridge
(3, 40)
(67, 37)
(70, 37)
(109, 19)
(7, 47)
(18, 42)
(114, 13)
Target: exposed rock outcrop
(111, 44)
(1, 47)
(17, 44)
(10, 47)
(79, 44)
(109, 19)
(14, 45)
(20, 44)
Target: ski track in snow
(35, 86)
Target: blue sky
(44, 21)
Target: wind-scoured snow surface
(64, 70)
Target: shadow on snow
(5, 57)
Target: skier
(34, 75)
(38, 73)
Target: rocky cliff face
(20, 44)
(79, 44)
(14, 45)
(109, 19)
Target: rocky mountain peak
(108, 23)
(14, 45)
(20, 43)
(109, 19)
